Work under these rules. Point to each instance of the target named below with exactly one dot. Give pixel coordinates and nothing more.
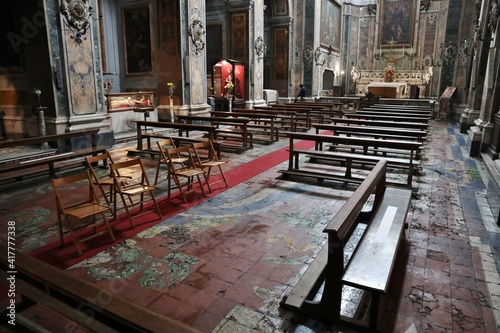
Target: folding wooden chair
(183, 173)
(80, 213)
(205, 157)
(163, 145)
(135, 191)
(104, 181)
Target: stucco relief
(81, 77)
(76, 14)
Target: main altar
(403, 84)
(399, 76)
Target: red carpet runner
(66, 256)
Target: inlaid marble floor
(224, 265)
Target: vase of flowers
(171, 89)
(229, 87)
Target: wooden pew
(356, 115)
(394, 113)
(381, 123)
(92, 307)
(370, 267)
(52, 158)
(262, 126)
(373, 131)
(203, 132)
(233, 130)
(328, 110)
(349, 152)
(428, 107)
(288, 118)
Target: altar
(404, 80)
(387, 89)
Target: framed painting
(397, 23)
(168, 26)
(331, 21)
(280, 51)
(137, 34)
(215, 49)
(239, 36)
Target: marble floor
(225, 264)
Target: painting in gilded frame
(397, 22)
(137, 34)
(331, 20)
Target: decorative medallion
(76, 15)
(260, 47)
(450, 51)
(196, 32)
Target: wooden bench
(262, 126)
(371, 265)
(382, 123)
(288, 119)
(357, 115)
(233, 130)
(183, 131)
(326, 109)
(369, 152)
(54, 159)
(374, 132)
(394, 113)
(401, 109)
(91, 307)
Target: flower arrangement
(229, 88)
(171, 89)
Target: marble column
(193, 42)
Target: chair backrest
(204, 151)
(134, 168)
(93, 161)
(64, 185)
(163, 145)
(177, 153)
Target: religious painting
(169, 25)
(239, 36)
(281, 53)
(137, 40)
(397, 22)
(331, 22)
(280, 7)
(215, 49)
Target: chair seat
(138, 189)
(86, 210)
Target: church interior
(396, 230)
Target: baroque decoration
(450, 51)
(196, 32)
(317, 57)
(493, 16)
(260, 47)
(308, 54)
(76, 15)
